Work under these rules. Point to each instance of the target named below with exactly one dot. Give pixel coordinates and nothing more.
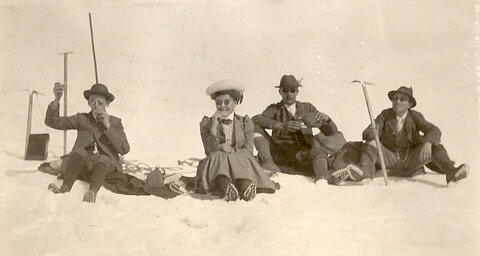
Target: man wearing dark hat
(100, 140)
(293, 143)
(405, 150)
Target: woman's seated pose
(229, 167)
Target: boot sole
(231, 194)
(461, 174)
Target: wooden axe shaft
(374, 126)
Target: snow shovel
(374, 126)
(36, 145)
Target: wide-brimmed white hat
(224, 85)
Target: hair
(237, 97)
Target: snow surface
(418, 216)
(158, 57)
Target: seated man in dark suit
(405, 151)
(100, 140)
(293, 143)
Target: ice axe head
(361, 82)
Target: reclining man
(293, 143)
(405, 150)
(100, 140)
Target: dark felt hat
(99, 89)
(404, 90)
(289, 81)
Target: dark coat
(386, 123)
(88, 131)
(279, 113)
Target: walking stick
(93, 48)
(65, 68)
(374, 126)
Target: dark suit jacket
(386, 124)
(242, 134)
(279, 113)
(88, 131)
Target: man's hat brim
(289, 81)
(412, 99)
(291, 86)
(99, 89)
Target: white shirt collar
(292, 108)
(229, 117)
(403, 116)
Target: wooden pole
(29, 121)
(65, 69)
(377, 139)
(93, 48)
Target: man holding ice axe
(405, 151)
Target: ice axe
(374, 126)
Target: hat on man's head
(289, 81)
(224, 85)
(406, 91)
(99, 89)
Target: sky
(157, 58)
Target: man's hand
(104, 117)
(374, 132)
(426, 152)
(322, 118)
(227, 148)
(58, 91)
(277, 126)
(292, 126)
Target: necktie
(399, 123)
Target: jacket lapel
(392, 122)
(286, 115)
(221, 133)
(300, 110)
(409, 125)
(238, 133)
(93, 126)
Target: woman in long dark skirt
(229, 167)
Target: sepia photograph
(236, 127)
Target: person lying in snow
(294, 144)
(229, 167)
(100, 140)
(405, 151)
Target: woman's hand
(216, 116)
(215, 119)
(226, 147)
